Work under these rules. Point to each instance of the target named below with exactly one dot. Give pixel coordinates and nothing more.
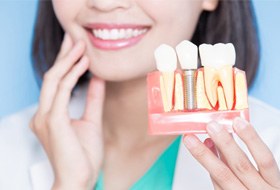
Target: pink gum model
(182, 122)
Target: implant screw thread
(190, 89)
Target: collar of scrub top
(188, 172)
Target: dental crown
(217, 55)
(187, 54)
(166, 58)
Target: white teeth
(117, 34)
(114, 34)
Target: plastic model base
(183, 122)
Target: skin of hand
(228, 166)
(65, 140)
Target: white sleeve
(19, 148)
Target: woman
(106, 145)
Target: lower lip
(114, 44)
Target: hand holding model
(227, 164)
(221, 90)
(74, 147)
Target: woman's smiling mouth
(114, 37)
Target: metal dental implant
(188, 54)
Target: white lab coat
(24, 165)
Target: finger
(63, 95)
(36, 125)
(95, 98)
(63, 140)
(262, 155)
(210, 144)
(55, 74)
(66, 46)
(62, 66)
(235, 157)
(64, 147)
(216, 168)
(215, 184)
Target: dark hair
(232, 21)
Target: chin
(118, 75)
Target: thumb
(95, 99)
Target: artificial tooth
(187, 54)
(241, 100)
(211, 81)
(167, 105)
(202, 101)
(166, 61)
(226, 79)
(218, 60)
(222, 100)
(179, 95)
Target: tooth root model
(166, 61)
(221, 98)
(218, 60)
(167, 106)
(241, 100)
(202, 101)
(179, 95)
(187, 53)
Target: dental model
(218, 60)
(179, 93)
(240, 92)
(218, 91)
(187, 53)
(202, 100)
(166, 61)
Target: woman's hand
(74, 147)
(234, 170)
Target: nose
(109, 5)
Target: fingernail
(191, 141)
(240, 123)
(214, 128)
(209, 143)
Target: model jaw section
(166, 61)
(218, 85)
(220, 90)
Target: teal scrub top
(159, 175)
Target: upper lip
(109, 26)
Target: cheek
(66, 11)
(175, 20)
